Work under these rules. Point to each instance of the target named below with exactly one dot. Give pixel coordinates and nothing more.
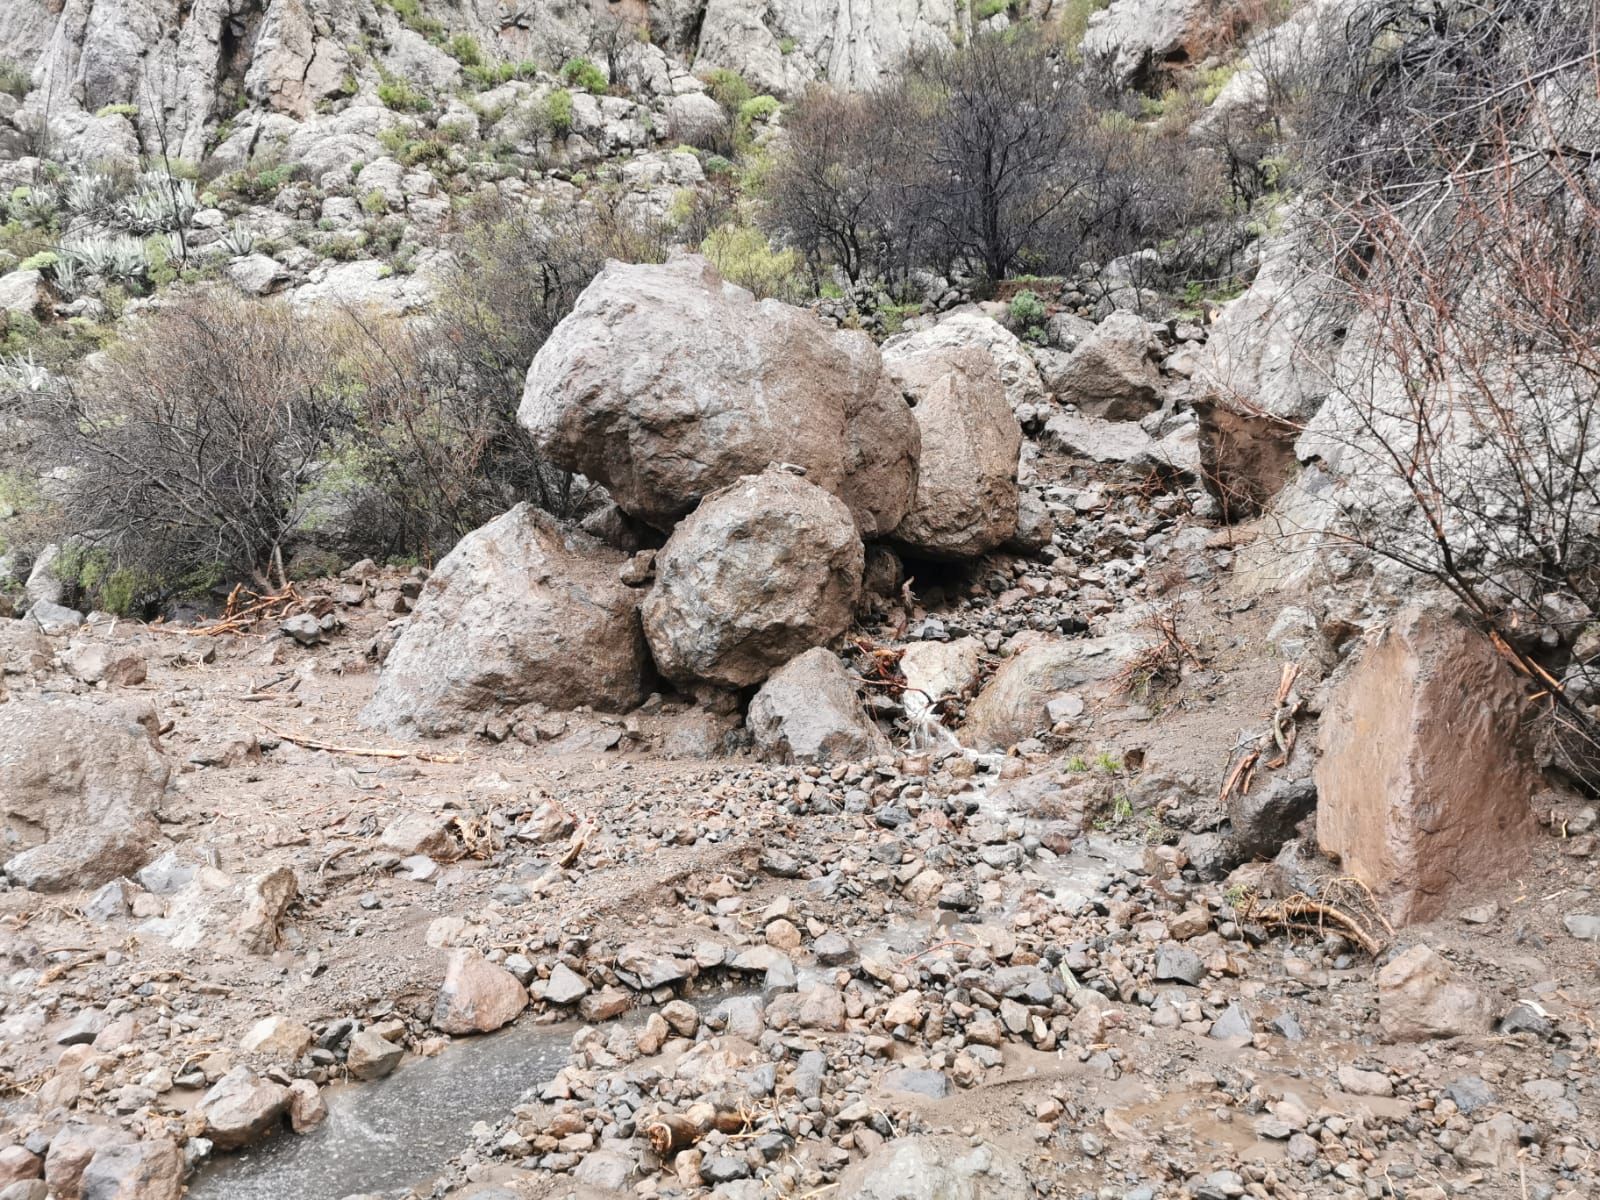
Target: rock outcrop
(665, 383)
(1424, 786)
(808, 712)
(761, 572)
(519, 612)
(80, 781)
(966, 498)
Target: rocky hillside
(596, 602)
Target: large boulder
(1112, 374)
(759, 573)
(476, 996)
(936, 1168)
(808, 712)
(150, 1169)
(1424, 786)
(519, 612)
(1014, 703)
(967, 328)
(80, 781)
(966, 499)
(664, 383)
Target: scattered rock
(1419, 999)
(242, 1109)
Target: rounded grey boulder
(762, 571)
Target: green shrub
(1075, 16)
(118, 110)
(14, 79)
(743, 256)
(758, 108)
(411, 15)
(729, 89)
(345, 248)
(786, 45)
(1027, 310)
(41, 261)
(581, 73)
(397, 94)
(463, 47)
(375, 203)
(991, 8)
(558, 111)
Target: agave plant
(68, 274)
(19, 373)
(158, 204)
(238, 242)
(120, 259)
(34, 204)
(92, 196)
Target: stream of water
(398, 1132)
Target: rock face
(966, 499)
(664, 383)
(761, 572)
(936, 1168)
(1111, 374)
(808, 712)
(79, 784)
(476, 996)
(518, 612)
(1423, 785)
(1419, 999)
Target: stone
(1419, 999)
(1469, 1093)
(264, 900)
(641, 966)
(808, 712)
(666, 384)
(695, 119)
(24, 294)
(761, 572)
(1424, 783)
(307, 1108)
(1584, 926)
(565, 986)
(1012, 705)
(1134, 38)
(1364, 1083)
(80, 781)
(72, 1149)
(936, 1168)
(605, 1170)
(1176, 963)
(372, 1056)
(1267, 816)
(966, 499)
(241, 1109)
(932, 1085)
(277, 1038)
(1112, 375)
(149, 1169)
(520, 612)
(476, 996)
(102, 663)
(258, 275)
(1233, 1025)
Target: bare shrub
(192, 445)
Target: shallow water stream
(398, 1132)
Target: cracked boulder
(808, 712)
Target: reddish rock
(477, 996)
(1419, 998)
(147, 1170)
(1424, 785)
